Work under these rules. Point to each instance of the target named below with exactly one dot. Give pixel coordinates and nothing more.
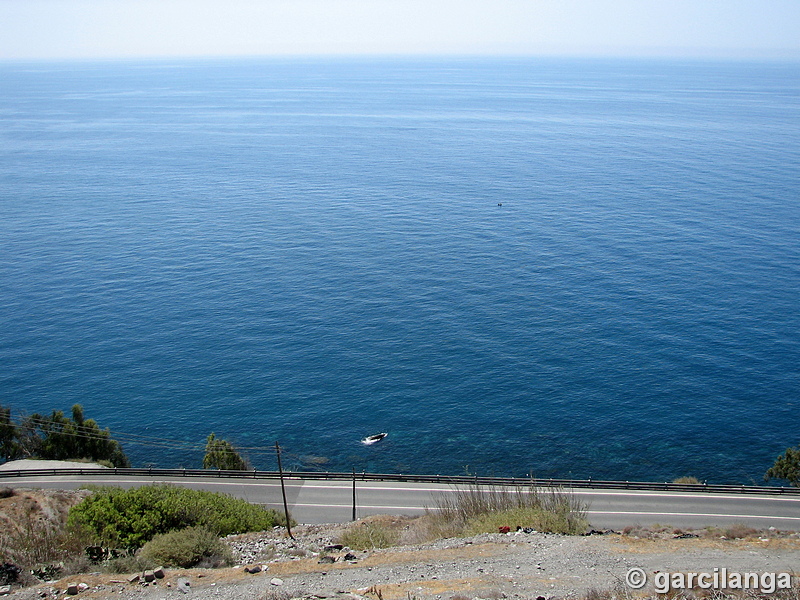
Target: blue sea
(547, 267)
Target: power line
(83, 432)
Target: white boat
(373, 439)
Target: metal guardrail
(456, 480)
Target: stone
(332, 547)
(72, 589)
(5, 589)
(159, 573)
(82, 587)
(253, 569)
(133, 578)
(183, 585)
(149, 576)
(276, 581)
(350, 556)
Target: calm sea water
(315, 251)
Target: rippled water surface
(563, 268)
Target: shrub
(7, 492)
(484, 509)
(128, 563)
(186, 548)
(740, 531)
(221, 454)
(535, 518)
(366, 536)
(130, 518)
(687, 479)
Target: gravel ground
(494, 566)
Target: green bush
(186, 548)
(130, 518)
(220, 454)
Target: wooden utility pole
(283, 491)
(354, 493)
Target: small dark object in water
(368, 441)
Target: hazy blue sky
(135, 28)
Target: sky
(110, 29)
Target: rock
(159, 573)
(350, 556)
(253, 569)
(149, 576)
(9, 572)
(72, 589)
(332, 547)
(82, 587)
(183, 585)
(276, 581)
(4, 590)
(133, 578)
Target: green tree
(58, 437)
(787, 466)
(220, 454)
(9, 448)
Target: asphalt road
(315, 501)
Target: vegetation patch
(369, 535)
(190, 547)
(130, 518)
(479, 509)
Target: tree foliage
(220, 454)
(787, 466)
(130, 518)
(59, 437)
(9, 447)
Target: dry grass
(34, 535)
(687, 479)
(476, 509)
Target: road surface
(331, 501)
